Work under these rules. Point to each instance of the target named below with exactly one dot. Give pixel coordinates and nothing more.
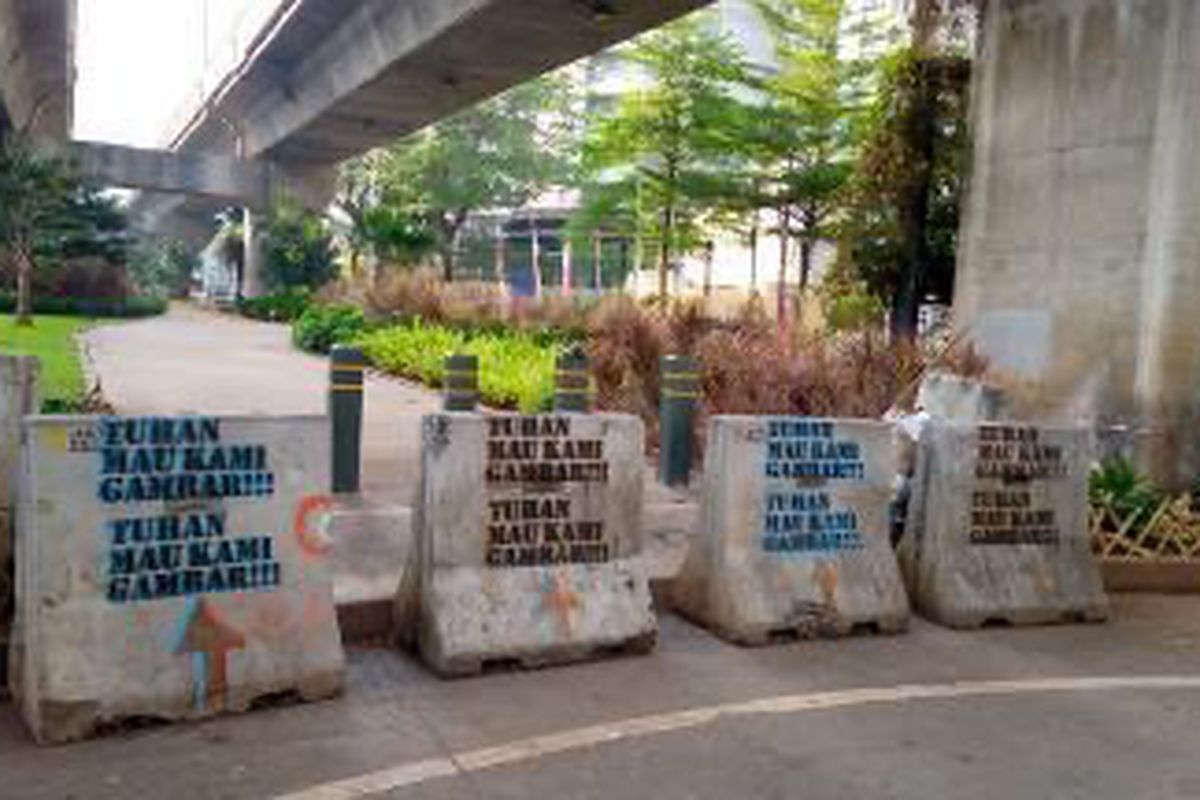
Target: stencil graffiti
(799, 513)
(533, 519)
(186, 553)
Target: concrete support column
(499, 254)
(1079, 259)
(535, 249)
(254, 269)
(597, 255)
(566, 266)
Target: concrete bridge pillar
(1079, 265)
(254, 283)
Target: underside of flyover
(330, 79)
(37, 54)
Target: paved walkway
(1102, 712)
(197, 361)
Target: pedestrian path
(192, 360)
(1107, 710)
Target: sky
(141, 63)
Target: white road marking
(536, 747)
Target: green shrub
(298, 249)
(516, 368)
(1130, 494)
(284, 306)
(321, 327)
(127, 308)
(851, 307)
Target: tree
(232, 244)
(162, 268)
(33, 198)
(665, 154)
(381, 224)
(298, 249)
(807, 132)
(501, 153)
(902, 230)
(48, 215)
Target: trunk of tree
(709, 255)
(754, 254)
(449, 246)
(597, 253)
(781, 300)
(24, 286)
(913, 212)
(625, 265)
(664, 254)
(808, 246)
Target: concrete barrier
(18, 397)
(171, 568)
(998, 527)
(528, 542)
(794, 531)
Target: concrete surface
(950, 397)
(203, 600)
(18, 396)
(1078, 260)
(529, 541)
(998, 526)
(794, 535)
(227, 179)
(37, 49)
(981, 715)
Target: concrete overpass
(323, 81)
(329, 79)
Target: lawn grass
(51, 339)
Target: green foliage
(850, 306)
(321, 327)
(100, 308)
(48, 215)
(1118, 484)
(298, 249)
(283, 306)
(660, 159)
(416, 195)
(805, 138)
(53, 341)
(901, 232)
(516, 368)
(162, 268)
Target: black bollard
(346, 365)
(677, 410)
(571, 386)
(462, 383)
